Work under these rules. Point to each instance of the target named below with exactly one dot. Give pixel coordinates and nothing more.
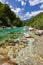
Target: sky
(25, 9)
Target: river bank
(26, 49)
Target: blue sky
(25, 9)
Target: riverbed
(21, 46)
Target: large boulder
(27, 35)
(39, 32)
(31, 28)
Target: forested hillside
(36, 21)
(8, 17)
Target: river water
(8, 32)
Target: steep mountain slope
(8, 17)
(36, 22)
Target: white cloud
(17, 10)
(34, 2)
(3, 1)
(23, 3)
(7, 2)
(11, 6)
(28, 15)
(41, 7)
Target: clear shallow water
(6, 34)
(4, 31)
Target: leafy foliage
(8, 17)
(36, 22)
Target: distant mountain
(36, 21)
(26, 20)
(8, 17)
